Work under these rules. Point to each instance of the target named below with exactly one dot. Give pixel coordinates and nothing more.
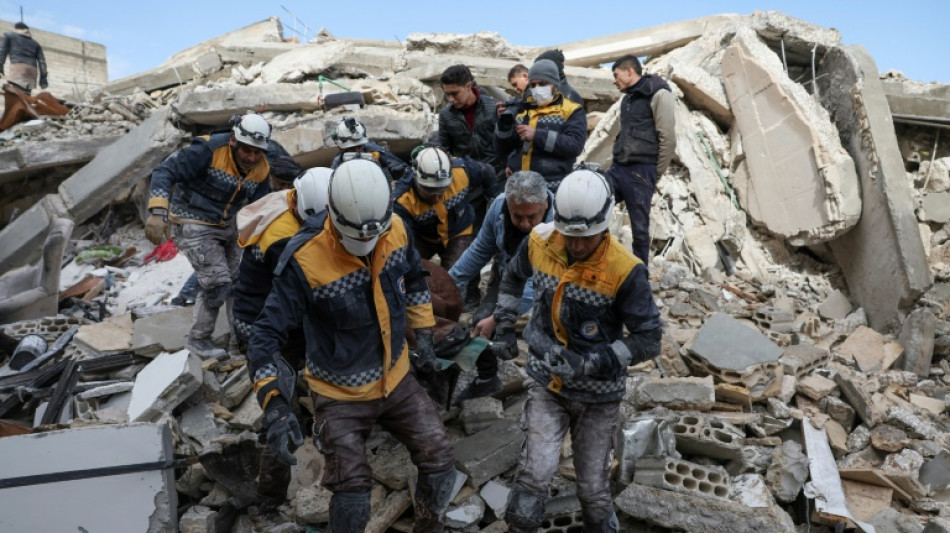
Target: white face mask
(357, 247)
(543, 94)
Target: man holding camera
(548, 133)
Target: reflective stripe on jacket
(354, 315)
(202, 183)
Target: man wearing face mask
(435, 203)
(549, 133)
(197, 192)
(352, 278)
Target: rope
(722, 177)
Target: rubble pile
(802, 269)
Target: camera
(513, 106)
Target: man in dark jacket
(26, 58)
(549, 134)
(467, 124)
(352, 279)
(199, 190)
(644, 146)
(588, 290)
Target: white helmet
(433, 168)
(349, 133)
(252, 129)
(583, 205)
(360, 204)
(311, 187)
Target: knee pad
(349, 512)
(526, 508)
(434, 490)
(217, 295)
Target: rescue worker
(435, 203)
(549, 134)
(264, 228)
(587, 288)
(198, 191)
(350, 136)
(26, 58)
(352, 278)
(525, 203)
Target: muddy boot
(205, 349)
(349, 512)
(433, 492)
(479, 388)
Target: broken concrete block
(166, 331)
(465, 514)
(836, 306)
(479, 413)
(215, 105)
(106, 390)
(934, 405)
(496, 497)
(882, 257)
(798, 38)
(864, 499)
(917, 339)
(386, 512)
(198, 519)
(910, 100)
(33, 291)
(853, 388)
(915, 425)
(677, 511)
(775, 319)
(801, 186)
(140, 501)
(866, 347)
(389, 465)
(198, 423)
(735, 353)
(489, 452)
(703, 91)
(697, 394)
(235, 388)
(112, 335)
(670, 361)
(787, 472)
(682, 476)
(936, 472)
(163, 384)
(312, 504)
(838, 410)
(707, 436)
(859, 439)
(888, 438)
(799, 360)
(837, 437)
(248, 415)
(815, 386)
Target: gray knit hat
(544, 70)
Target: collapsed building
(801, 270)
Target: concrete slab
(479, 413)
(836, 306)
(676, 393)
(882, 257)
(802, 186)
(652, 41)
(678, 511)
(914, 101)
(140, 501)
(21, 241)
(131, 158)
(166, 331)
(866, 347)
(171, 74)
(215, 105)
(489, 452)
(163, 384)
(250, 53)
(729, 344)
(198, 423)
(28, 158)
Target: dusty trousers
(23, 75)
(546, 419)
(214, 253)
(341, 429)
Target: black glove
(283, 430)
(423, 358)
(564, 362)
(43, 83)
(602, 362)
(505, 341)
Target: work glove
(505, 342)
(283, 430)
(423, 357)
(156, 226)
(43, 83)
(602, 362)
(565, 363)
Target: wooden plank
(873, 477)
(865, 499)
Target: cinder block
(698, 435)
(682, 476)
